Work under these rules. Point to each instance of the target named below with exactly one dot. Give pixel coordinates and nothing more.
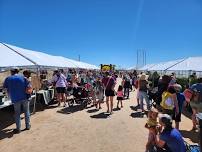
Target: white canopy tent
(132, 68)
(165, 65)
(89, 66)
(42, 59)
(146, 67)
(45, 60)
(182, 67)
(189, 64)
(9, 58)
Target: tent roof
(42, 59)
(46, 60)
(146, 67)
(191, 63)
(9, 58)
(165, 65)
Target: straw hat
(143, 76)
(177, 87)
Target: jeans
(126, 92)
(17, 108)
(143, 95)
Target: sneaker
(16, 131)
(28, 127)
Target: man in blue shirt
(16, 87)
(169, 136)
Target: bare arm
(160, 143)
(176, 102)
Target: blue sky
(105, 31)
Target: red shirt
(108, 83)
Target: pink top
(119, 93)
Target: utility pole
(145, 58)
(137, 59)
(141, 58)
(79, 57)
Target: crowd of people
(163, 97)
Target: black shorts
(61, 90)
(119, 98)
(169, 112)
(177, 117)
(109, 93)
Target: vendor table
(45, 96)
(7, 102)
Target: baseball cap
(15, 69)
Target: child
(99, 93)
(120, 96)
(151, 125)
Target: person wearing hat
(16, 86)
(169, 136)
(196, 101)
(142, 94)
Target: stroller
(80, 96)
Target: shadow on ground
(137, 115)
(88, 107)
(70, 110)
(102, 115)
(7, 133)
(6, 117)
(134, 108)
(6, 120)
(116, 109)
(192, 135)
(92, 110)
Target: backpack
(136, 84)
(188, 94)
(167, 101)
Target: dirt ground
(59, 129)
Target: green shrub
(184, 82)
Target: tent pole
(34, 108)
(175, 64)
